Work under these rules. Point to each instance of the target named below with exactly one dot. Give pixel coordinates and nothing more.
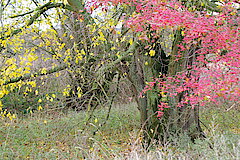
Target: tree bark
(176, 121)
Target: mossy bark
(176, 121)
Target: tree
(203, 36)
(166, 49)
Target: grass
(57, 135)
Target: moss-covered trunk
(176, 121)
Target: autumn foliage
(210, 42)
(200, 41)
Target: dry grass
(57, 135)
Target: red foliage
(216, 71)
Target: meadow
(58, 135)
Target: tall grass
(56, 135)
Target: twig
(230, 107)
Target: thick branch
(23, 14)
(122, 57)
(30, 75)
(40, 10)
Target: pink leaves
(200, 86)
(212, 39)
(158, 15)
(161, 108)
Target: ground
(58, 135)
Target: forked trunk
(175, 121)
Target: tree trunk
(176, 121)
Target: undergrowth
(57, 135)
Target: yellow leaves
(9, 115)
(92, 27)
(118, 54)
(182, 33)
(152, 53)
(10, 61)
(68, 52)
(83, 52)
(101, 36)
(65, 2)
(79, 95)
(233, 13)
(79, 57)
(110, 22)
(206, 98)
(131, 41)
(5, 113)
(3, 92)
(32, 83)
(62, 46)
(163, 94)
(58, 74)
(40, 108)
(219, 94)
(27, 64)
(4, 43)
(34, 38)
(123, 39)
(113, 48)
(71, 37)
(79, 90)
(53, 95)
(41, 45)
(10, 71)
(43, 71)
(50, 99)
(14, 116)
(27, 69)
(28, 89)
(48, 43)
(66, 91)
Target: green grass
(57, 135)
